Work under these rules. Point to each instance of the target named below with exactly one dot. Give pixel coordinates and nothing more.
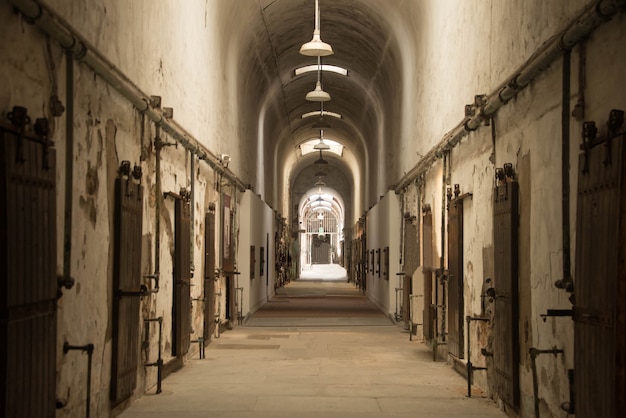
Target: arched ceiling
(368, 38)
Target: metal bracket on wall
(19, 118)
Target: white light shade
(321, 161)
(316, 47)
(321, 145)
(318, 95)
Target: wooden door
(126, 282)
(506, 315)
(456, 305)
(600, 283)
(182, 277)
(28, 282)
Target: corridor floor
(318, 349)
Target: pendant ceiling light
(320, 174)
(321, 122)
(321, 145)
(316, 48)
(321, 160)
(318, 95)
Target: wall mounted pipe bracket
(557, 312)
(534, 352)
(88, 348)
(470, 367)
(159, 363)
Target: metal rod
(444, 184)
(157, 204)
(565, 148)
(594, 14)
(69, 164)
(534, 352)
(88, 348)
(470, 366)
(192, 208)
(159, 363)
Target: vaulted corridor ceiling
(370, 40)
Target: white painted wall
(256, 222)
(383, 231)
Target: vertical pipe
(565, 131)
(69, 163)
(192, 156)
(159, 359)
(317, 16)
(533, 362)
(446, 162)
(89, 358)
(157, 202)
(493, 139)
(221, 228)
(469, 359)
(233, 225)
(402, 221)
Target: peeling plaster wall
(471, 51)
(107, 130)
(467, 48)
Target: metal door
(182, 277)
(456, 304)
(28, 290)
(320, 249)
(506, 315)
(209, 273)
(429, 310)
(600, 282)
(126, 282)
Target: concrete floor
(318, 349)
